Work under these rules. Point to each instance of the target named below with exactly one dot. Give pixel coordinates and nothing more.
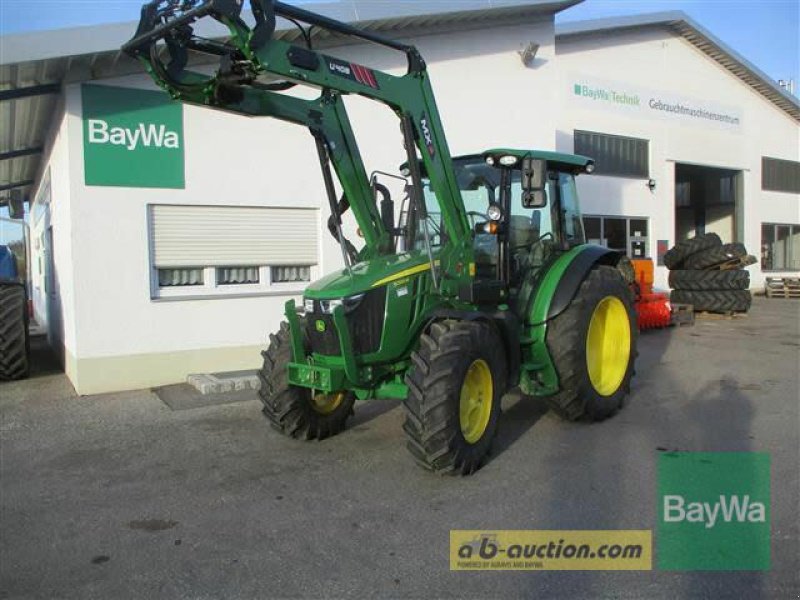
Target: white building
(154, 261)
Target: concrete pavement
(120, 496)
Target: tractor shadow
(368, 411)
(519, 415)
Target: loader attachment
(173, 23)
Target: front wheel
(593, 346)
(455, 383)
(296, 411)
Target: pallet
(783, 287)
(727, 315)
(682, 315)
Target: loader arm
(238, 86)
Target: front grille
(365, 323)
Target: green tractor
(480, 283)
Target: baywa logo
(714, 511)
(132, 138)
(728, 509)
(148, 134)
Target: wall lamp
(651, 184)
(528, 54)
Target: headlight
(494, 212)
(589, 168)
(350, 304)
(327, 306)
(308, 305)
(508, 160)
(490, 161)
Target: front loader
(483, 283)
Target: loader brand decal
(352, 71)
(544, 550)
(713, 511)
(132, 138)
(425, 127)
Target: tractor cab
(522, 207)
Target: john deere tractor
(479, 282)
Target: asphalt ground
(120, 496)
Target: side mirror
(534, 199)
(533, 183)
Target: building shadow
(43, 359)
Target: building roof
(681, 24)
(34, 66)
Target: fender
(575, 272)
(557, 287)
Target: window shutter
(221, 236)
(614, 154)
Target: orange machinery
(652, 308)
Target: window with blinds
(615, 154)
(778, 175)
(199, 250)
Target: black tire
(708, 259)
(714, 300)
(290, 409)
(709, 280)
(567, 343)
(627, 270)
(676, 255)
(14, 363)
(448, 350)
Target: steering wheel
(534, 243)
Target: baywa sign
(640, 102)
(132, 138)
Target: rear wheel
(13, 332)
(593, 346)
(296, 411)
(455, 384)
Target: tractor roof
(560, 158)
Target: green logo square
(714, 511)
(132, 138)
(577, 89)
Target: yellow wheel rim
(325, 404)
(475, 402)
(608, 345)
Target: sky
(766, 32)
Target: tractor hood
(368, 275)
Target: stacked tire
(697, 279)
